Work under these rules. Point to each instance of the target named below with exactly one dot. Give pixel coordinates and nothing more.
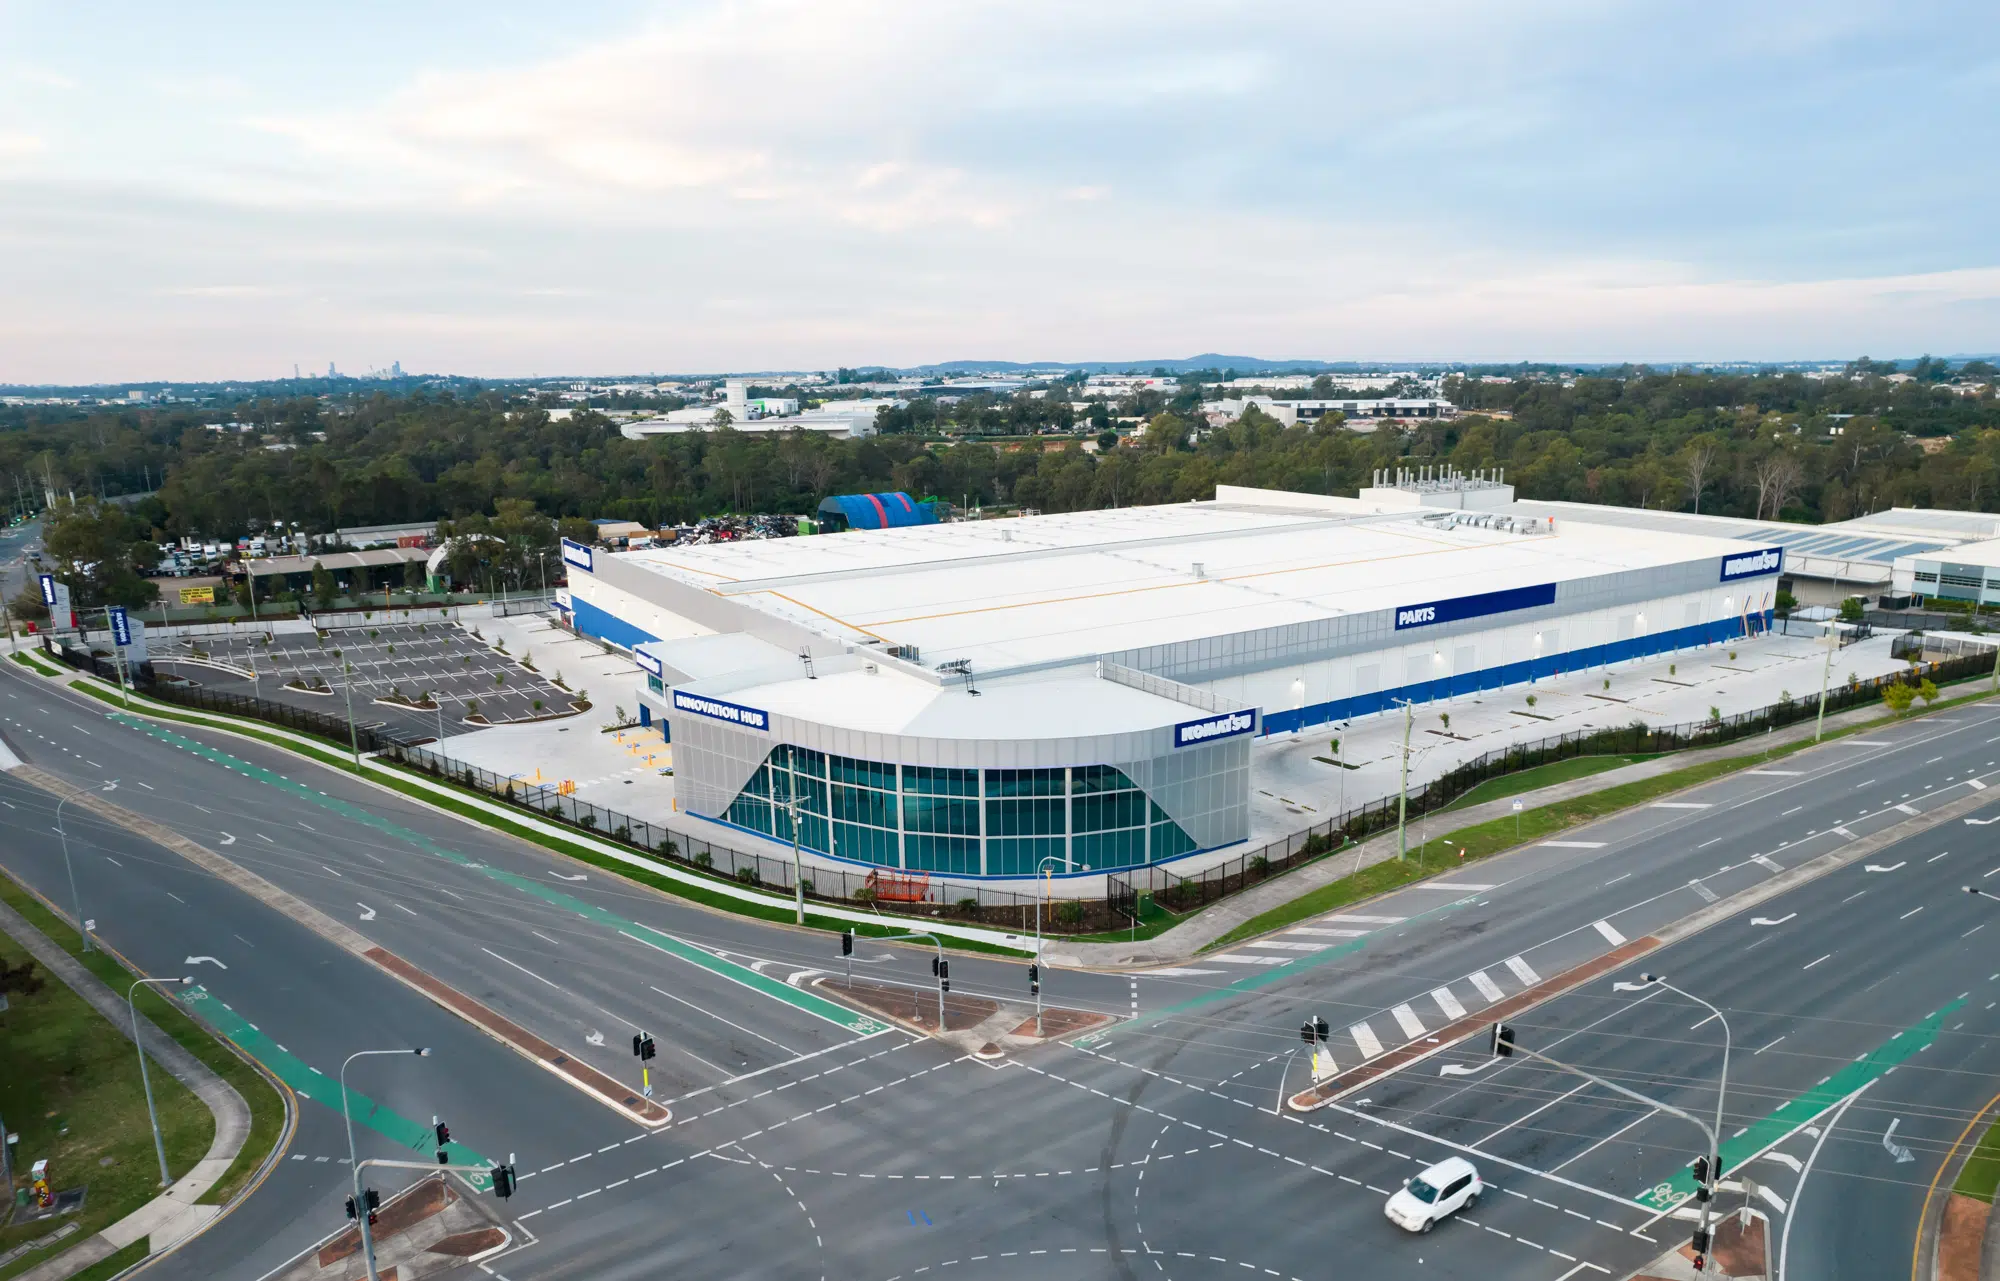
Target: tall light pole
(1721, 1089)
(1826, 673)
(75, 900)
(347, 688)
(353, 1161)
(1041, 892)
(159, 1146)
(1403, 788)
(798, 876)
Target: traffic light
(1700, 1247)
(374, 1202)
(1319, 1028)
(643, 1048)
(1034, 979)
(503, 1180)
(944, 976)
(847, 942)
(1306, 1032)
(936, 964)
(1701, 1178)
(352, 1213)
(1503, 1041)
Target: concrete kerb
(1187, 939)
(173, 1216)
(141, 706)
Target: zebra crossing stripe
(1290, 947)
(1365, 1039)
(1523, 971)
(1329, 934)
(1610, 932)
(1237, 958)
(1487, 987)
(1448, 1002)
(1407, 1018)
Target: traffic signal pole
(939, 967)
(1710, 1174)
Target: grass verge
(1981, 1173)
(1539, 776)
(33, 664)
(267, 1107)
(72, 1092)
(106, 1268)
(1482, 840)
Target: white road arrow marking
(595, 1038)
(111, 786)
(1897, 1150)
(1765, 920)
(1459, 1069)
(367, 912)
(227, 839)
(1785, 1159)
(1877, 867)
(560, 877)
(197, 960)
(1981, 822)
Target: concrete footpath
(173, 1216)
(1211, 923)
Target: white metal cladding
(1218, 657)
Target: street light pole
(1403, 788)
(347, 688)
(75, 899)
(353, 1162)
(1721, 1089)
(940, 957)
(131, 1003)
(1041, 892)
(1826, 673)
(798, 876)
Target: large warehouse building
(1080, 691)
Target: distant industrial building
(1362, 415)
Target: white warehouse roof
(1006, 594)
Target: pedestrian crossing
(1403, 1023)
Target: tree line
(1780, 446)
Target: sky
(220, 190)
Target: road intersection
(807, 1139)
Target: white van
(1446, 1188)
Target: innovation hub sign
(718, 710)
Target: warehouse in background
(1079, 691)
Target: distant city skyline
(510, 191)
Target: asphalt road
(803, 1146)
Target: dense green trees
(1780, 446)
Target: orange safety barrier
(890, 887)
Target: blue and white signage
(717, 709)
(648, 662)
(577, 554)
(1768, 560)
(48, 583)
(1210, 728)
(121, 625)
(1451, 611)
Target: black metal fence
(988, 905)
(1182, 893)
(672, 844)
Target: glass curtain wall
(968, 822)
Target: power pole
(1826, 672)
(347, 688)
(1403, 788)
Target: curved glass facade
(971, 822)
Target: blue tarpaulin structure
(873, 511)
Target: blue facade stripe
(592, 621)
(1575, 660)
